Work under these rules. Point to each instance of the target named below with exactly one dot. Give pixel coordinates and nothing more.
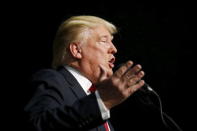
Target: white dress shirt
(86, 84)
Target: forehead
(102, 32)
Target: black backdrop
(159, 36)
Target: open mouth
(111, 62)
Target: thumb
(103, 73)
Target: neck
(84, 69)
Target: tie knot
(92, 89)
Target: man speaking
(81, 89)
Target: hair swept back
(74, 30)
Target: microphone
(147, 87)
(164, 116)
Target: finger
(103, 73)
(132, 81)
(123, 69)
(135, 87)
(132, 72)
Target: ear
(75, 50)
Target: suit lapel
(74, 84)
(78, 91)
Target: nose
(112, 49)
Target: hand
(123, 83)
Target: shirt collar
(83, 81)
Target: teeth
(111, 62)
(111, 65)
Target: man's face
(98, 54)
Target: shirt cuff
(105, 113)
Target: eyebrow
(105, 36)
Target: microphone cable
(163, 114)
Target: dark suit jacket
(60, 104)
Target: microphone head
(147, 87)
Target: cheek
(101, 58)
(98, 55)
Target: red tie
(106, 126)
(92, 89)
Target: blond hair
(75, 29)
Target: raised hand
(123, 83)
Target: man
(83, 57)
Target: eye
(104, 41)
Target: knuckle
(133, 80)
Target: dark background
(159, 36)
